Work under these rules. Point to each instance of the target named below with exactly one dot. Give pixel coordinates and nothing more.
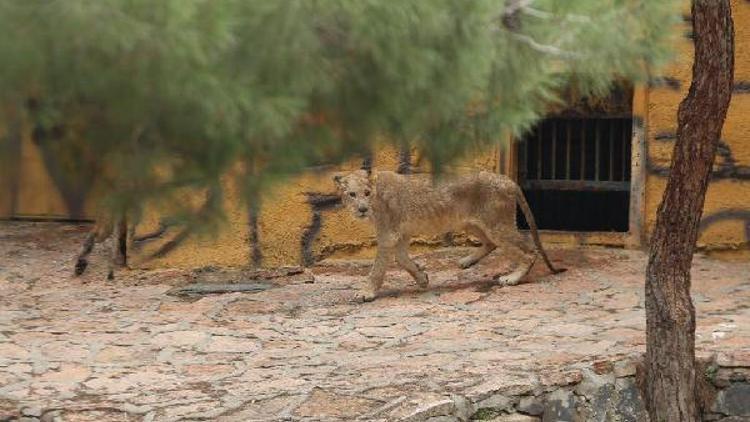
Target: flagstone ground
(84, 349)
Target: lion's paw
(365, 295)
(467, 262)
(513, 278)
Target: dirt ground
(85, 349)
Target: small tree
(144, 98)
(670, 316)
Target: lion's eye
(367, 193)
(352, 194)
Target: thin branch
(541, 14)
(509, 20)
(543, 48)
(159, 232)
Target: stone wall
(606, 392)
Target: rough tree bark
(670, 384)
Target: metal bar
(576, 185)
(611, 151)
(567, 146)
(628, 147)
(597, 157)
(554, 149)
(583, 149)
(592, 116)
(523, 152)
(539, 151)
(624, 137)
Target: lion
(115, 234)
(483, 204)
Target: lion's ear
(337, 179)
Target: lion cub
(483, 204)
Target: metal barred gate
(575, 172)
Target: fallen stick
(198, 289)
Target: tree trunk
(670, 384)
(121, 235)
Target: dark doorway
(575, 172)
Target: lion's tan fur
(108, 231)
(483, 204)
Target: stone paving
(89, 350)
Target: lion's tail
(534, 231)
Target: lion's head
(356, 192)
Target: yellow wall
(726, 215)
(38, 193)
(284, 221)
(285, 224)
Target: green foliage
(172, 94)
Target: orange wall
(288, 226)
(726, 222)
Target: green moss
(484, 414)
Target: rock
(624, 368)
(512, 386)
(593, 384)
(598, 391)
(726, 376)
(735, 400)
(560, 407)
(463, 408)
(515, 417)
(35, 411)
(734, 359)
(530, 405)
(444, 419)
(430, 410)
(602, 367)
(630, 406)
(561, 378)
(495, 402)
(52, 416)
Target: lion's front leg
(386, 245)
(377, 273)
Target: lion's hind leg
(101, 233)
(82, 261)
(487, 246)
(111, 246)
(515, 276)
(510, 236)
